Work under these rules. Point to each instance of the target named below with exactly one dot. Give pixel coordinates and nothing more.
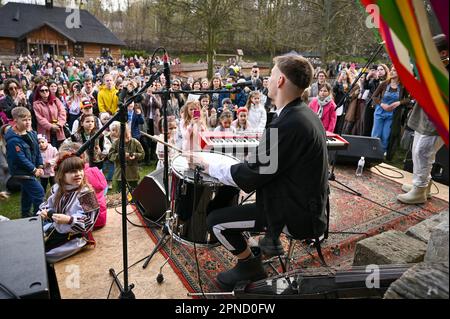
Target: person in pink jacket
(49, 155)
(95, 178)
(324, 107)
(50, 116)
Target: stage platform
(86, 275)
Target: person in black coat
(289, 171)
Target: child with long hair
(225, 120)
(257, 115)
(191, 125)
(97, 152)
(209, 113)
(241, 124)
(134, 152)
(71, 210)
(172, 139)
(324, 106)
(217, 98)
(49, 155)
(74, 103)
(95, 178)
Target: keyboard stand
(332, 177)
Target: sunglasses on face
(13, 87)
(44, 90)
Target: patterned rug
(352, 218)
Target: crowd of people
(49, 107)
(71, 99)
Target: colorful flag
(405, 28)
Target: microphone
(241, 84)
(167, 70)
(50, 213)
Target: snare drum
(210, 194)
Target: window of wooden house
(78, 50)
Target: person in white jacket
(257, 115)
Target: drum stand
(169, 219)
(162, 241)
(166, 230)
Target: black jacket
(295, 194)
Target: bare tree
(203, 21)
(331, 28)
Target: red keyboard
(336, 142)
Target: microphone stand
(347, 94)
(342, 102)
(165, 93)
(122, 116)
(165, 228)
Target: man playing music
(291, 187)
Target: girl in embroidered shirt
(71, 210)
(98, 151)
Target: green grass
(397, 160)
(10, 208)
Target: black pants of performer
(227, 224)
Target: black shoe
(271, 247)
(247, 270)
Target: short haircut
(20, 112)
(296, 68)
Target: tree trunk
(211, 46)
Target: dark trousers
(47, 180)
(32, 195)
(227, 224)
(368, 120)
(151, 145)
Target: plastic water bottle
(360, 168)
